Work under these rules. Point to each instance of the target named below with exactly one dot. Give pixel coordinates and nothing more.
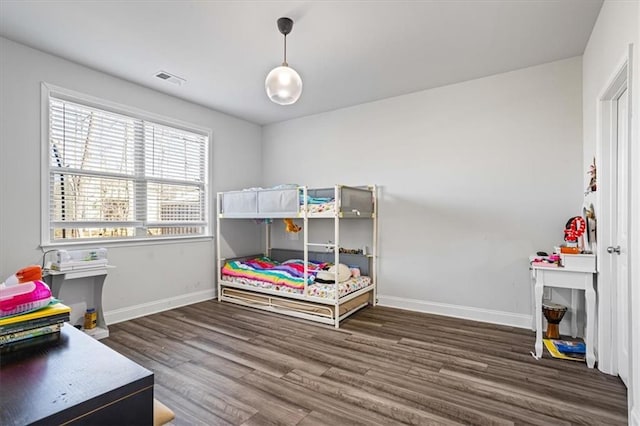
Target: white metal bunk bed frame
(299, 305)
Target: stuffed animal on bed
(290, 226)
(329, 275)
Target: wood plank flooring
(222, 364)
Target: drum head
(553, 307)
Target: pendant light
(283, 83)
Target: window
(114, 174)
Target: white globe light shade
(283, 85)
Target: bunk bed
(308, 283)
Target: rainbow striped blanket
(289, 273)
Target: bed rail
(290, 202)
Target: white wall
(474, 178)
(147, 277)
(617, 26)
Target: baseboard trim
(465, 312)
(457, 311)
(136, 311)
(634, 417)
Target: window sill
(126, 243)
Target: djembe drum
(554, 314)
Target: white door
(621, 253)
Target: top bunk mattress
(289, 202)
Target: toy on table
(551, 261)
(23, 292)
(24, 297)
(26, 274)
(573, 234)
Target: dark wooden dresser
(75, 380)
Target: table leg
(532, 277)
(574, 313)
(590, 297)
(538, 307)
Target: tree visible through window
(116, 176)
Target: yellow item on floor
(161, 413)
(548, 343)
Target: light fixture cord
(285, 52)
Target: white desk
(96, 277)
(574, 279)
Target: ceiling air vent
(174, 79)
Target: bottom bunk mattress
(288, 277)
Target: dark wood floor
(217, 363)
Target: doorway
(613, 284)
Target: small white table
(95, 278)
(574, 279)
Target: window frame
(46, 240)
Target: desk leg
(574, 313)
(98, 285)
(538, 313)
(590, 297)
(532, 283)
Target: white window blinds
(117, 176)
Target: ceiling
(347, 52)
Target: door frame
(633, 395)
(623, 301)
(605, 163)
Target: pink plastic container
(24, 297)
